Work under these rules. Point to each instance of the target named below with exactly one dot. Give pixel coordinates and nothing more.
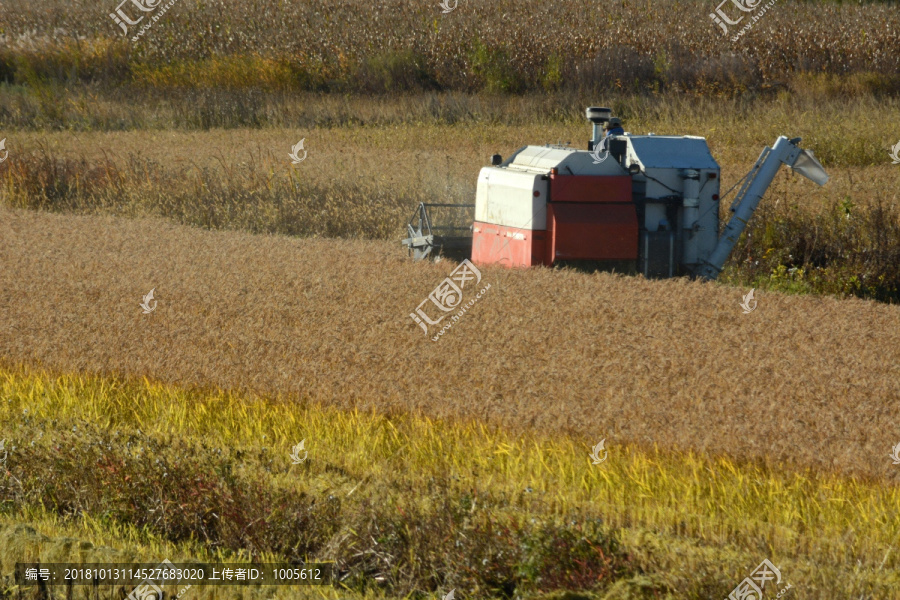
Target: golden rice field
(139, 429)
(415, 505)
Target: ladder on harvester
(425, 239)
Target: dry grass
(421, 506)
(806, 380)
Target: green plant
(492, 66)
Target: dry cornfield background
(809, 381)
(504, 45)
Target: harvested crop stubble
(810, 380)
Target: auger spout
(751, 193)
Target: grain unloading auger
(645, 203)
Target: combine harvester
(637, 203)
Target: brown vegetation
(496, 45)
(253, 503)
(807, 380)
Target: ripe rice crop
(405, 504)
(805, 380)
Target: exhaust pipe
(597, 115)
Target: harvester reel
(426, 240)
(418, 252)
